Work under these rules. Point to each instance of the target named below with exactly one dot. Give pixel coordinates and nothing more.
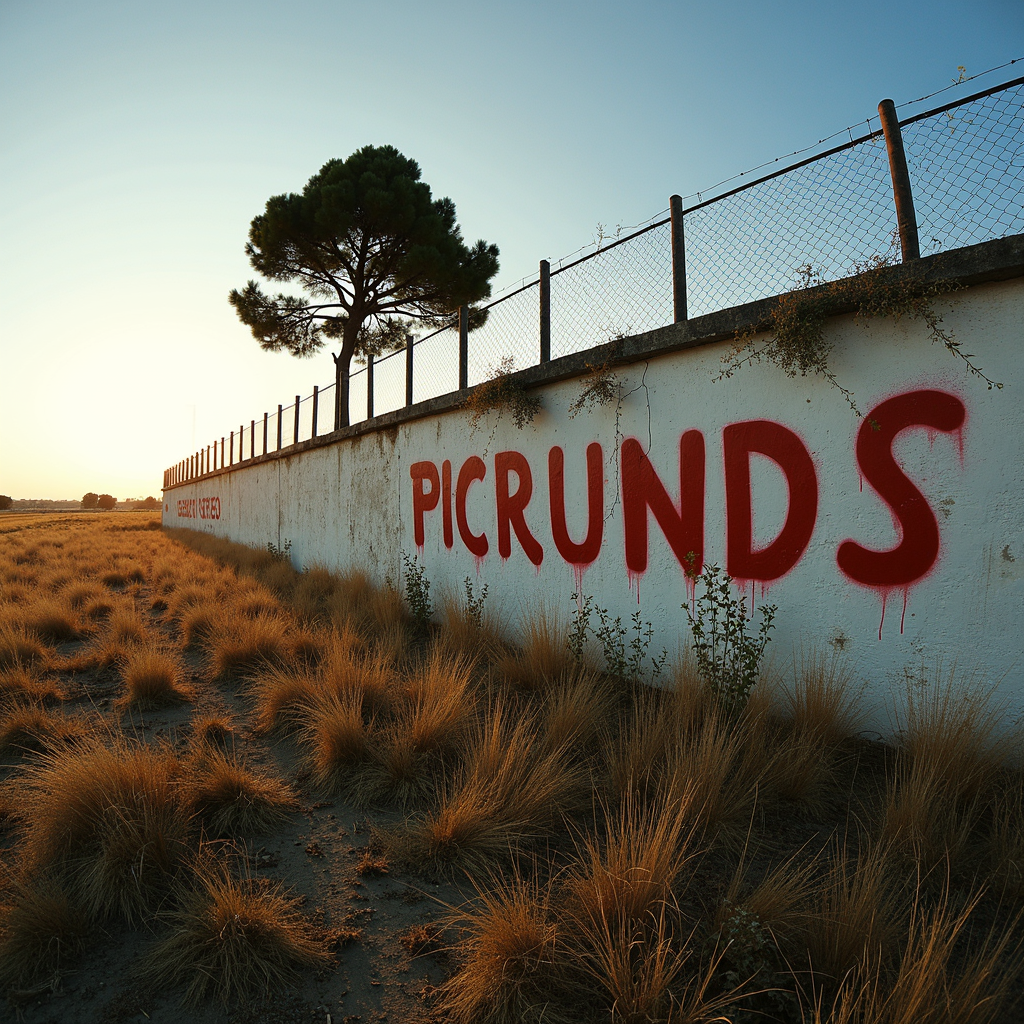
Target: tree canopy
(90, 499)
(371, 252)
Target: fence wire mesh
(827, 214)
(967, 171)
(389, 383)
(511, 331)
(436, 365)
(623, 290)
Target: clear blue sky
(137, 141)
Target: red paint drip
(634, 581)
(578, 569)
(860, 478)
(881, 621)
(479, 559)
(959, 432)
(691, 589)
(906, 594)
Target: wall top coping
(1000, 259)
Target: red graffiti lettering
(423, 501)
(787, 451)
(512, 506)
(446, 497)
(472, 469)
(642, 489)
(918, 547)
(587, 551)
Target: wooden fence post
(906, 218)
(408, 370)
(678, 259)
(545, 311)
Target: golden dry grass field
(234, 792)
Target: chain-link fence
(821, 218)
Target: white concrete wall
(351, 504)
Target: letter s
(918, 548)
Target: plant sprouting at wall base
(284, 552)
(474, 603)
(417, 591)
(728, 656)
(624, 658)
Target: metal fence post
(408, 370)
(280, 410)
(545, 311)
(316, 406)
(678, 259)
(252, 439)
(906, 218)
(463, 347)
(369, 386)
(231, 449)
(266, 420)
(295, 430)
(222, 440)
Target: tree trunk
(342, 361)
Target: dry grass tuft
(214, 731)
(125, 628)
(52, 621)
(932, 981)
(152, 679)
(200, 621)
(542, 657)
(107, 817)
(236, 939)
(98, 609)
(853, 916)
(507, 794)
(41, 933)
(337, 737)
(19, 648)
(630, 872)
(248, 644)
(233, 799)
(574, 712)
(511, 966)
(28, 683)
(32, 728)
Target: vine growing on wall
(504, 393)
(795, 324)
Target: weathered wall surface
(897, 537)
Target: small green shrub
(728, 656)
(417, 591)
(475, 603)
(624, 658)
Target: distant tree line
(92, 500)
